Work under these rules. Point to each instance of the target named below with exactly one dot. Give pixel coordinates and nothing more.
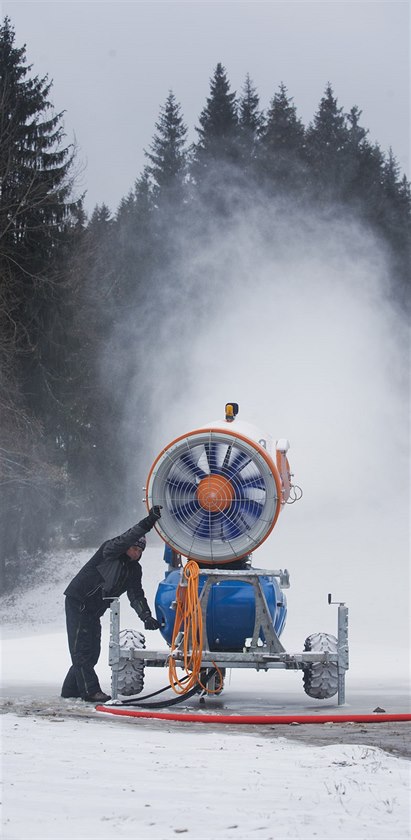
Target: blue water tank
(230, 610)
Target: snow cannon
(222, 488)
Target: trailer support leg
(114, 646)
(342, 651)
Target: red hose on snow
(254, 719)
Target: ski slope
(69, 771)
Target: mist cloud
(287, 312)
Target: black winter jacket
(110, 572)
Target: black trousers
(84, 638)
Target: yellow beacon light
(231, 410)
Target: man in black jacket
(113, 569)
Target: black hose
(173, 702)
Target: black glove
(153, 515)
(151, 623)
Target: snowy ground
(69, 771)
(101, 779)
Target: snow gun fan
(221, 490)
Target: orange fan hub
(215, 493)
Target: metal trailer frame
(256, 654)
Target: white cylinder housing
(221, 488)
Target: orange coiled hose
(189, 622)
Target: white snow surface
(89, 776)
(104, 779)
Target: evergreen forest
(75, 289)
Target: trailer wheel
(321, 678)
(131, 671)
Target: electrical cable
(140, 701)
(297, 494)
(189, 622)
(137, 699)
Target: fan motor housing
(221, 488)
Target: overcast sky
(113, 64)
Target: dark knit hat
(141, 543)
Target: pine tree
(396, 225)
(392, 176)
(251, 122)
(282, 144)
(216, 169)
(329, 126)
(102, 281)
(37, 219)
(326, 142)
(144, 199)
(167, 155)
(356, 133)
(134, 240)
(404, 194)
(35, 209)
(101, 221)
(218, 131)
(350, 158)
(93, 455)
(126, 207)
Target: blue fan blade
(182, 487)
(237, 524)
(189, 463)
(204, 527)
(211, 453)
(231, 530)
(238, 463)
(184, 512)
(227, 457)
(225, 527)
(256, 483)
(247, 507)
(217, 522)
(212, 526)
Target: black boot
(97, 697)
